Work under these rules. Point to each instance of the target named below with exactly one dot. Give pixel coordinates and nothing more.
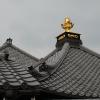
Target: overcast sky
(34, 24)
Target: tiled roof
(77, 72)
(13, 75)
(72, 70)
(18, 55)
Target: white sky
(34, 24)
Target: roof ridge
(66, 47)
(90, 51)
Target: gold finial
(67, 25)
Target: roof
(13, 75)
(17, 54)
(71, 70)
(76, 72)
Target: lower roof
(13, 75)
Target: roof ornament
(72, 38)
(68, 25)
(9, 41)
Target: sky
(34, 24)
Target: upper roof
(71, 70)
(17, 54)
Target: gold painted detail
(67, 25)
(73, 36)
(61, 37)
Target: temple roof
(18, 55)
(71, 70)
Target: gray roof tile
(14, 84)
(30, 79)
(32, 83)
